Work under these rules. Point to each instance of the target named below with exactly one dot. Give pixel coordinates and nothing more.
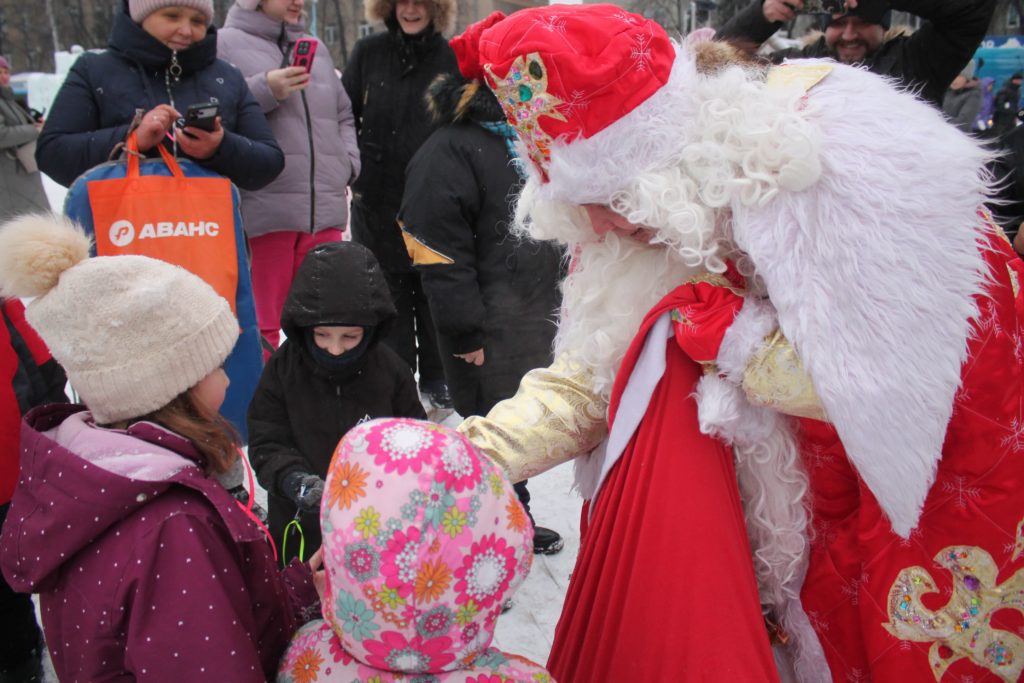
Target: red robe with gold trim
(946, 603)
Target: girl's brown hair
(214, 437)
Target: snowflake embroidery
(818, 457)
(1015, 439)
(626, 18)
(552, 24)
(851, 589)
(1018, 347)
(641, 52)
(962, 491)
(577, 101)
(915, 536)
(856, 676)
(989, 321)
(824, 533)
(817, 623)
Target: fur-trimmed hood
(451, 98)
(442, 11)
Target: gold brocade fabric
(775, 378)
(554, 417)
(806, 75)
(964, 625)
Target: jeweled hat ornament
(566, 72)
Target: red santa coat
(865, 588)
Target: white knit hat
(248, 4)
(132, 332)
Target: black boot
(546, 541)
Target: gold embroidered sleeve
(554, 417)
(775, 377)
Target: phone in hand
(202, 116)
(303, 53)
(824, 7)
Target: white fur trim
(755, 321)
(873, 272)
(636, 396)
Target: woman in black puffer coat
(98, 102)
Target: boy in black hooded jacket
(328, 376)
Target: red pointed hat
(565, 72)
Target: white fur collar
(873, 272)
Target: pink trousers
(275, 260)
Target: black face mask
(346, 363)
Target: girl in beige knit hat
(145, 566)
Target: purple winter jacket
(321, 152)
(146, 568)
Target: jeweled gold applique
(523, 94)
(554, 417)
(963, 626)
(775, 378)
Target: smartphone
(824, 7)
(202, 116)
(302, 55)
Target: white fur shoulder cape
(873, 271)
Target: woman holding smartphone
(162, 58)
(311, 116)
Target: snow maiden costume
(823, 315)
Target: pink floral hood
(424, 539)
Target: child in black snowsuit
(328, 376)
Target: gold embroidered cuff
(554, 417)
(775, 378)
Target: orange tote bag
(183, 220)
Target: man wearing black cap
(927, 60)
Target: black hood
(451, 98)
(338, 283)
(131, 41)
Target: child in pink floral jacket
(423, 540)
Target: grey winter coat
(314, 128)
(20, 191)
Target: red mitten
(704, 312)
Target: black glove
(304, 489)
(242, 496)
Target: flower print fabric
(424, 539)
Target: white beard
(613, 285)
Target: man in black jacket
(927, 60)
